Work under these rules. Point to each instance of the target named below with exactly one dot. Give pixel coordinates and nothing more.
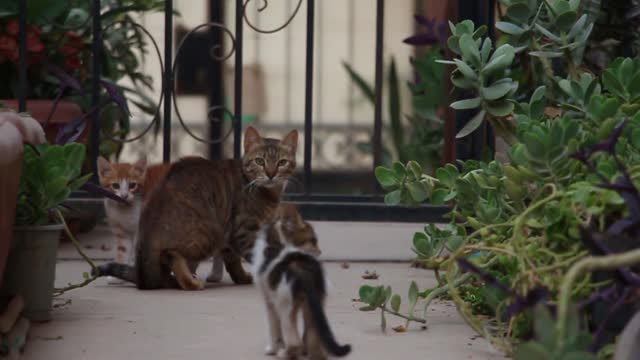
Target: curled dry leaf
(400, 329)
(344, 265)
(370, 275)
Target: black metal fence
(313, 205)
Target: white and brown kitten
(291, 280)
(134, 182)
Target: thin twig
(76, 244)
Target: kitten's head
(269, 162)
(297, 232)
(123, 179)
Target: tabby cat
(203, 207)
(133, 182)
(291, 280)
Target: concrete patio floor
(227, 321)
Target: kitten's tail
(117, 270)
(322, 325)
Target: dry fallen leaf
(370, 275)
(399, 328)
(344, 265)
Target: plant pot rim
(48, 227)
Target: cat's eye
(115, 186)
(133, 185)
(259, 161)
(282, 163)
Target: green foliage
(382, 298)
(544, 345)
(49, 174)
(483, 70)
(521, 221)
(418, 135)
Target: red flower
(67, 50)
(73, 62)
(34, 44)
(7, 43)
(13, 27)
(74, 40)
(33, 29)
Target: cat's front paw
(271, 349)
(214, 277)
(290, 353)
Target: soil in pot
(31, 269)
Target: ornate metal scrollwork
(265, 4)
(213, 52)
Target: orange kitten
(134, 183)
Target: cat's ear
(291, 140)
(290, 216)
(251, 138)
(104, 167)
(141, 164)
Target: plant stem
(76, 244)
(442, 290)
(74, 241)
(407, 317)
(591, 263)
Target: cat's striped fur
(204, 207)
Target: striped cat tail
(117, 270)
(321, 324)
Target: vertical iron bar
(22, 70)
(377, 115)
(216, 78)
(308, 98)
(96, 55)
(319, 63)
(351, 59)
(168, 79)
(237, 125)
(287, 69)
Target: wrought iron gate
(316, 206)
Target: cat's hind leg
(233, 263)
(288, 314)
(217, 269)
(182, 272)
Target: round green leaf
(393, 198)
(465, 69)
(466, 104)
(509, 28)
(519, 12)
(386, 177)
(497, 90)
(395, 302)
(472, 125)
(469, 48)
(438, 195)
(500, 108)
(418, 191)
(565, 20)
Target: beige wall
(332, 89)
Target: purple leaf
(533, 297)
(71, 132)
(116, 96)
(421, 39)
(99, 190)
(423, 20)
(489, 279)
(609, 145)
(66, 80)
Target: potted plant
(59, 36)
(50, 173)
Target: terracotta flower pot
(65, 112)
